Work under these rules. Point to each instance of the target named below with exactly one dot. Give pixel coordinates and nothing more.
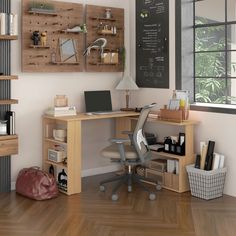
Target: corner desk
(123, 121)
(73, 144)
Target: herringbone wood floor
(92, 213)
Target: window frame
(185, 79)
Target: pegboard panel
(112, 29)
(47, 58)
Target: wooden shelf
(39, 46)
(103, 64)
(169, 155)
(102, 18)
(8, 102)
(65, 63)
(7, 137)
(8, 37)
(43, 13)
(8, 77)
(56, 164)
(55, 141)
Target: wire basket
(206, 184)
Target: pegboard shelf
(63, 16)
(101, 27)
(102, 18)
(42, 13)
(103, 64)
(8, 77)
(39, 46)
(64, 63)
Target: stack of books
(8, 24)
(61, 111)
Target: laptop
(98, 102)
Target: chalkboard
(152, 43)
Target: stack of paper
(61, 111)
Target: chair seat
(112, 151)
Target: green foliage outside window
(210, 71)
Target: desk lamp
(127, 84)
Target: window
(215, 52)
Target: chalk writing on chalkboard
(152, 37)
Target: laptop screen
(98, 100)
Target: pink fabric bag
(36, 184)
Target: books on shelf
(61, 111)
(10, 118)
(8, 24)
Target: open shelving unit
(8, 143)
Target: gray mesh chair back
(139, 141)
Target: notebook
(98, 102)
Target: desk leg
(74, 156)
(123, 124)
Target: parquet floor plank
(92, 213)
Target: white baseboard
(100, 170)
(88, 172)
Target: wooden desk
(73, 145)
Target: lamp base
(127, 109)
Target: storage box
(171, 115)
(56, 156)
(206, 184)
(158, 165)
(157, 176)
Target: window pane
(210, 90)
(231, 34)
(231, 64)
(210, 64)
(231, 13)
(210, 38)
(231, 84)
(209, 11)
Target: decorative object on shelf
(127, 84)
(43, 39)
(62, 180)
(10, 118)
(36, 37)
(108, 13)
(99, 43)
(36, 6)
(68, 51)
(60, 101)
(59, 134)
(3, 127)
(76, 29)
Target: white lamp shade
(127, 83)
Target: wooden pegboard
(39, 59)
(96, 21)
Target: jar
(3, 127)
(108, 13)
(61, 101)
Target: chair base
(128, 178)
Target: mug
(59, 134)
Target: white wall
(36, 92)
(213, 126)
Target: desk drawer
(8, 145)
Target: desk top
(84, 116)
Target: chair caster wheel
(102, 188)
(152, 196)
(158, 187)
(114, 197)
(129, 189)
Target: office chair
(136, 153)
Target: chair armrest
(119, 140)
